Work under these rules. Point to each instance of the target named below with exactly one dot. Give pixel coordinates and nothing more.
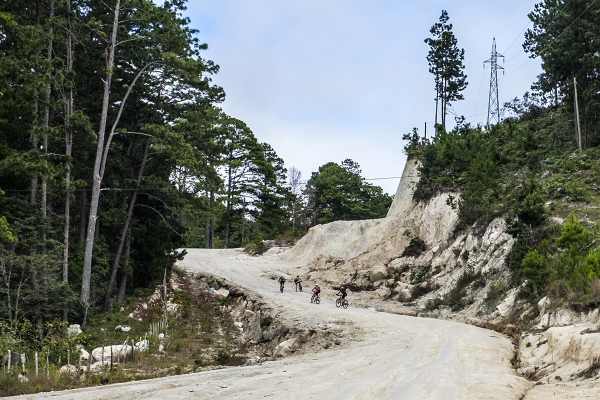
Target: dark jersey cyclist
(316, 291)
(342, 292)
(281, 283)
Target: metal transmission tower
(494, 102)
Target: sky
(326, 80)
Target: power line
(154, 189)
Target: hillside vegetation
(528, 170)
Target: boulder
(69, 370)
(74, 330)
(286, 347)
(403, 291)
(142, 346)
(378, 273)
(83, 355)
(122, 328)
(99, 366)
(252, 328)
(384, 292)
(22, 378)
(222, 293)
(119, 352)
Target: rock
(505, 307)
(286, 347)
(83, 354)
(404, 291)
(74, 330)
(142, 346)
(378, 273)
(118, 352)
(122, 328)
(23, 378)
(384, 292)
(543, 305)
(222, 293)
(252, 328)
(69, 370)
(99, 366)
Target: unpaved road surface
(394, 357)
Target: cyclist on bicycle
(281, 283)
(298, 283)
(316, 293)
(342, 292)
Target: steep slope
(416, 261)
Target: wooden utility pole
(577, 121)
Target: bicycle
(343, 303)
(315, 299)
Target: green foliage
(6, 234)
(568, 266)
(256, 247)
(339, 192)
(446, 63)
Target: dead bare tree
(125, 230)
(97, 178)
(295, 181)
(68, 104)
(46, 110)
(102, 151)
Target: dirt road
(395, 357)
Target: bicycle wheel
(345, 304)
(338, 303)
(318, 300)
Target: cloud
(327, 80)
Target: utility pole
(577, 121)
(494, 98)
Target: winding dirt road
(395, 357)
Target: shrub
(256, 248)
(415, 248)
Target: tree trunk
(117, 260)
(97, 178)
(126, 272)
(46, 115)
(68, 147)
(209, 224)
(82, 218)
(437, 97)
(68, 104)
(35, 144)
(228, 208)
(444, 104)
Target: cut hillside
(497, 228)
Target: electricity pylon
(494, 101)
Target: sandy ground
(394, 357)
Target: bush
(415, 248)
(256, 248)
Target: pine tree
(446, 63)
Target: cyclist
(316, 294)
(342, 292)
(281, 283)
(298, 283)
